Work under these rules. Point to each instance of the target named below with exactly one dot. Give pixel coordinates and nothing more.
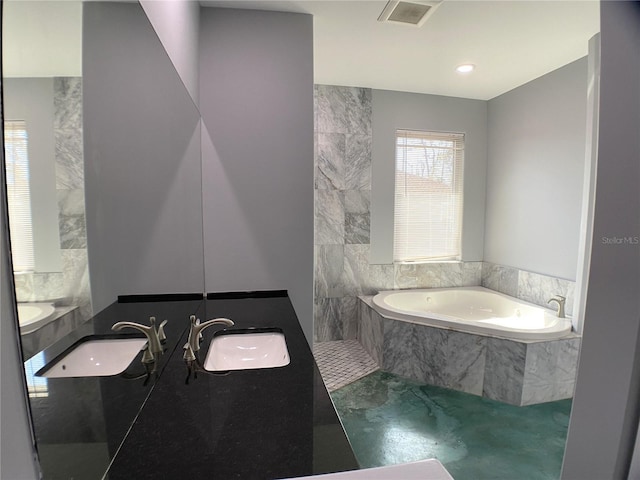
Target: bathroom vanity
(265, 423)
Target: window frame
(413, 175)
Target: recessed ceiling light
(465, 68)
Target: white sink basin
(95, 358)
(245, 349)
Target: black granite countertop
(250, 424)
(80, 422)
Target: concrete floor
(392, 420)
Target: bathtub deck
(517, 372)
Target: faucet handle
(147, 356)
(189, 355)
(161, 335)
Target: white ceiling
(41, 38)
(510, 42)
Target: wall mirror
(63, 203)
(102, 155)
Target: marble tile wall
(69, 160)
(342, 215)
(528, 286)
(510, 371)
(66, 319)
(71, 286)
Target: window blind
(428, 196)
(18, 195)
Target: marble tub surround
(64, 320)
(343, 272)
(518, 372)
(39, 287)
(531, 287)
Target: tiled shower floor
(342, 362)
(390, 420)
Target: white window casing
(428, 196)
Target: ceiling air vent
(408, 13)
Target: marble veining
(356, 228)
(330, 161)
(335, 319)
(67, 102)
(38, 287)
(511, 371)
(471, 274)
(357, 201)
(69, 159)
(343, 109)
(538, 289)
(550, 371)
(73, 231)
(330, 218)
(328, 271)
(437, 357)
(71, 201)
(357, 174)
(381, 277)
(500, 278)
(504, 374)
(356, 270)
(76, 279)
(327, 325)
(370, 332)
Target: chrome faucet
(154, 337)
(560, 300)
(195, 334)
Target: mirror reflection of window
(19, 195)
(36, 386)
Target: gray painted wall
(31, 100)
(142, 161)
(394, 110)
(256, 101)
(535, 173)
(177, 23)
(604, 416)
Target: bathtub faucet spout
(560, 300)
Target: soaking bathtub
(474, 310)
(32, 316)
